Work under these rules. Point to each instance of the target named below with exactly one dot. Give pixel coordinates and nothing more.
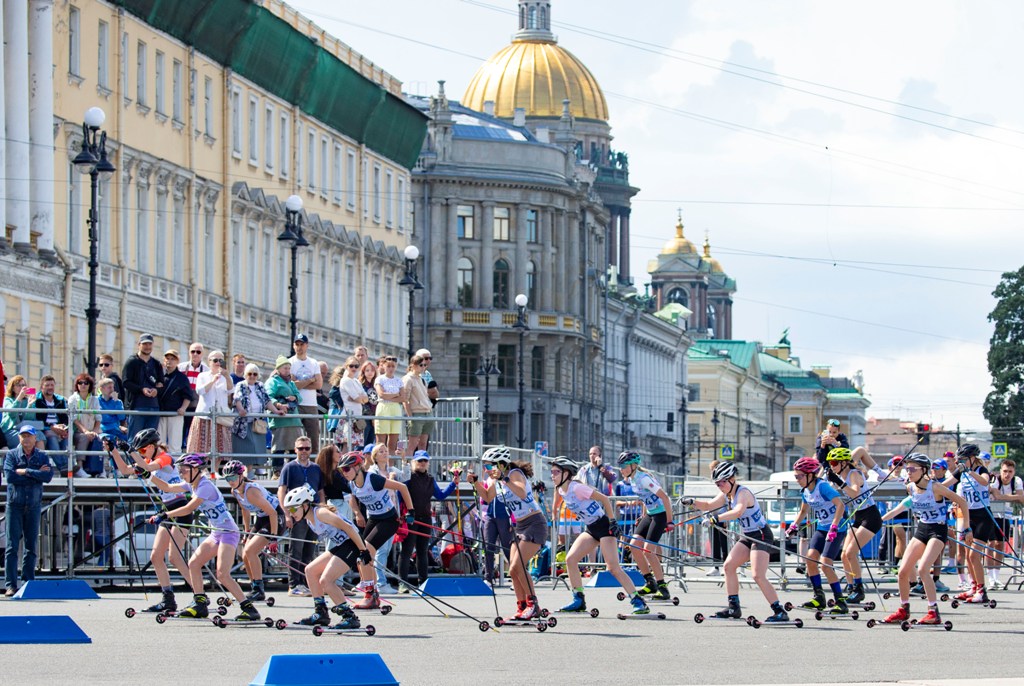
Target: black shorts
(983, 527)
(262, 524)
(762, 539)
(184, 520)
(347, 552)
(928, 532)
(1002, 527)
(599, 528)
(828, 550)
(869, 518)
(651, 527)
(377, 532)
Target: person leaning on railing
(285, 395)
(15, 397)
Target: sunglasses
(217, 361)
(293, 509)
(428, 358)
(81, 383)
(353, 366)
(252, 374)
(196, 352)
(104, 364)
(302, 448)
(422, 364)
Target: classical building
(214, 116)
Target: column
(486, 267)
(547, 261)
(624, 241)
(451, 234)
(434, 251)
(562, 283)
(610, 240)
(521, 256)
(3, 140)
(16, 111)
(572, 267)
(41, 123)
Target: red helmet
(352, 459)
(896, 461)
(807, 465)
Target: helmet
(967, 451)
(497, 455)
(232, 468)
(297, 496)
(940, 464)
(948, 453)
(807, 465)
(985, 457)
(723, 470)
(144, 438)
(895, 461)
(919, 459)
(196, 460)
(628, 457)
(565, 464)
(839, 455)
(352, 459)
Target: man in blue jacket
(26, 470)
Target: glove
(669, 527)
(614, 530)
(122, 445)
(688, 502)
(834, 478)
(140, 472)
(471, 477)
(158, 519)
(712, 520)
(962, 535)
(792, 530)
(364, 556)
(409, 519)
(108, 442)
(832, 533)
(272, 547)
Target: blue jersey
(752, 518)
(819, 500)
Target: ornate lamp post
(522, 327)
(486, 370)
(412, 253)
(293, 234)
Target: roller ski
(578, 607)
(527, 615)
(732, 612)
(223, 623)
(897, 618)
(168, 605)
(930, 620)
(256, 595)
(650, 587)
(652, 599)
(370, 601)
(320, 617)
(867, 606)
(647, 615)
(772, 621)
(979, 597)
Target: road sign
(541, 448)
(727, 451)
(998, 450)
(677, 489)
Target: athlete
(601, 529)
(822, 503)
(866, 519)
(754, 544)
(656, 521)
(149, 456)
(261, 516)
(971, 478)
(345, 551)
(222, 542)
(927, 498)
(512, 489)
(1006, 489)
(897, 527)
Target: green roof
(740, 352)
(255, 43)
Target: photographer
(143, 379)
(828, 439)
(596, 474)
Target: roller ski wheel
(484, 627)
(224, 601)
(954, 603)
(700, 618)
(757, 623)
(223, 623)
(544, 612)
(594, 612)
(620, 596)
(130, 612)
(653, 615)
(819, 615)
(386, 609)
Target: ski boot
(662, 591)
(817, 602)
(980, 596)
(578, 604)
(349, 620)
(319, 617)
(968, 594)
(531, 611)
(370, 601)
(520, 609)
(917, 589)
(932, 616)
(856, 596)
(780, 614)
(650, 585)
(199, 608)
(257, 594)
(168, 604)
(899, 616)
(940, 587)
(731, 612)
(840, 608)
(639, 606)
(248, 612)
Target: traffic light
(923, 432)
(670, 422)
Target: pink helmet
(196, 460)
(807, 465)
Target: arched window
(531, 283)
(501, 285)
(464, 281)
(679, 296)
(711, 320)
(532, 22)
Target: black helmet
(566, 465)
(144, 438)
(919, 459)
(967, 451)
(628, 457)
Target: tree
(1004, 406)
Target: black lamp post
(293, 234)
(715, 421)
(522, 328)
(92, 160)
(750, 456)
(771, 451)
(412, 253)
(487, 369)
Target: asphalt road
(423, 647)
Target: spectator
(323, 401)
(828, 439)
(283, 393)
(175, 398)
(422, 489)
(87, 426)
(390, 395)
(596, 474)
(334, 484)
(15, 397)
(306, 372)
(302, 542)
(417, 405)
(348, 396)
(107, 371)
(433, 392)
(249, 434)
(361, 354)
(367, 377)
(114, 424)
(214, 388)
(26, 470)
(143, 379)
(238, 365)
(53, 421)
(192, 369)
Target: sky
(857, 167)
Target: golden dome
(536, 75)
(716, 266)
(679, 245)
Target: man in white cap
(25, 470)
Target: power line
(757, 203)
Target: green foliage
(1004, 406)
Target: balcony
(503, 319)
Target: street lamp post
(412, 253)
(750, 456)
(293, 234)
(487, 369)
(522, 328)
(92, 160)
(771, 451)
(715, 421)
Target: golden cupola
(716, 266)
(536, 74)
(679, 245)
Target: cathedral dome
(679, 245)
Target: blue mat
(455, 585)
(62, 589)
(362, 669)
(604, 579)
(41, 629)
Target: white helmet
(723, 470)
(498, 455)
(298, 496)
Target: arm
(667, 504)
(44, 474)
(442, 494)
(282, 491)
(357, 514)
(801, 513)
(485, 492)
(605, 501)
(963, 522)
(840, 511)
(402, 489)
(186, 509)
(328, 517)
(174, 488)
(259, 501)
(715, 503)
(742, 504)
(902, 507)
(517, 484)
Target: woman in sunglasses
(390, 395)
(215, 389)
(417, 404)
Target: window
(124, 66)
(376, 193)
(531, 282)
(501, 230)
(501, 285)
(537, 368)
(796, 424)
(350, 180)
(464, 282)
(268, 137)
(501, 429)
(140, 75)
(74, 40)
(507, 366)
(284, 146)
(531, 226)
(464, 220)
(693, 393)
(324, 161)
(311, 160)
(558, 372)
(389, 198)
(103, 56)
(159, 68)
(679, 296)
(336, 178)
(178, 238)
(298, 155)
(193, 106)
(469, 362)
(208, 106)
(236, 122)
(401, 204)
(254, 133)
(177, 92)
(142, 229)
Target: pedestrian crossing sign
(998, 450)
(726, 452)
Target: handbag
(225, 421)
(259, 426)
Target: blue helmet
(940, 464)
